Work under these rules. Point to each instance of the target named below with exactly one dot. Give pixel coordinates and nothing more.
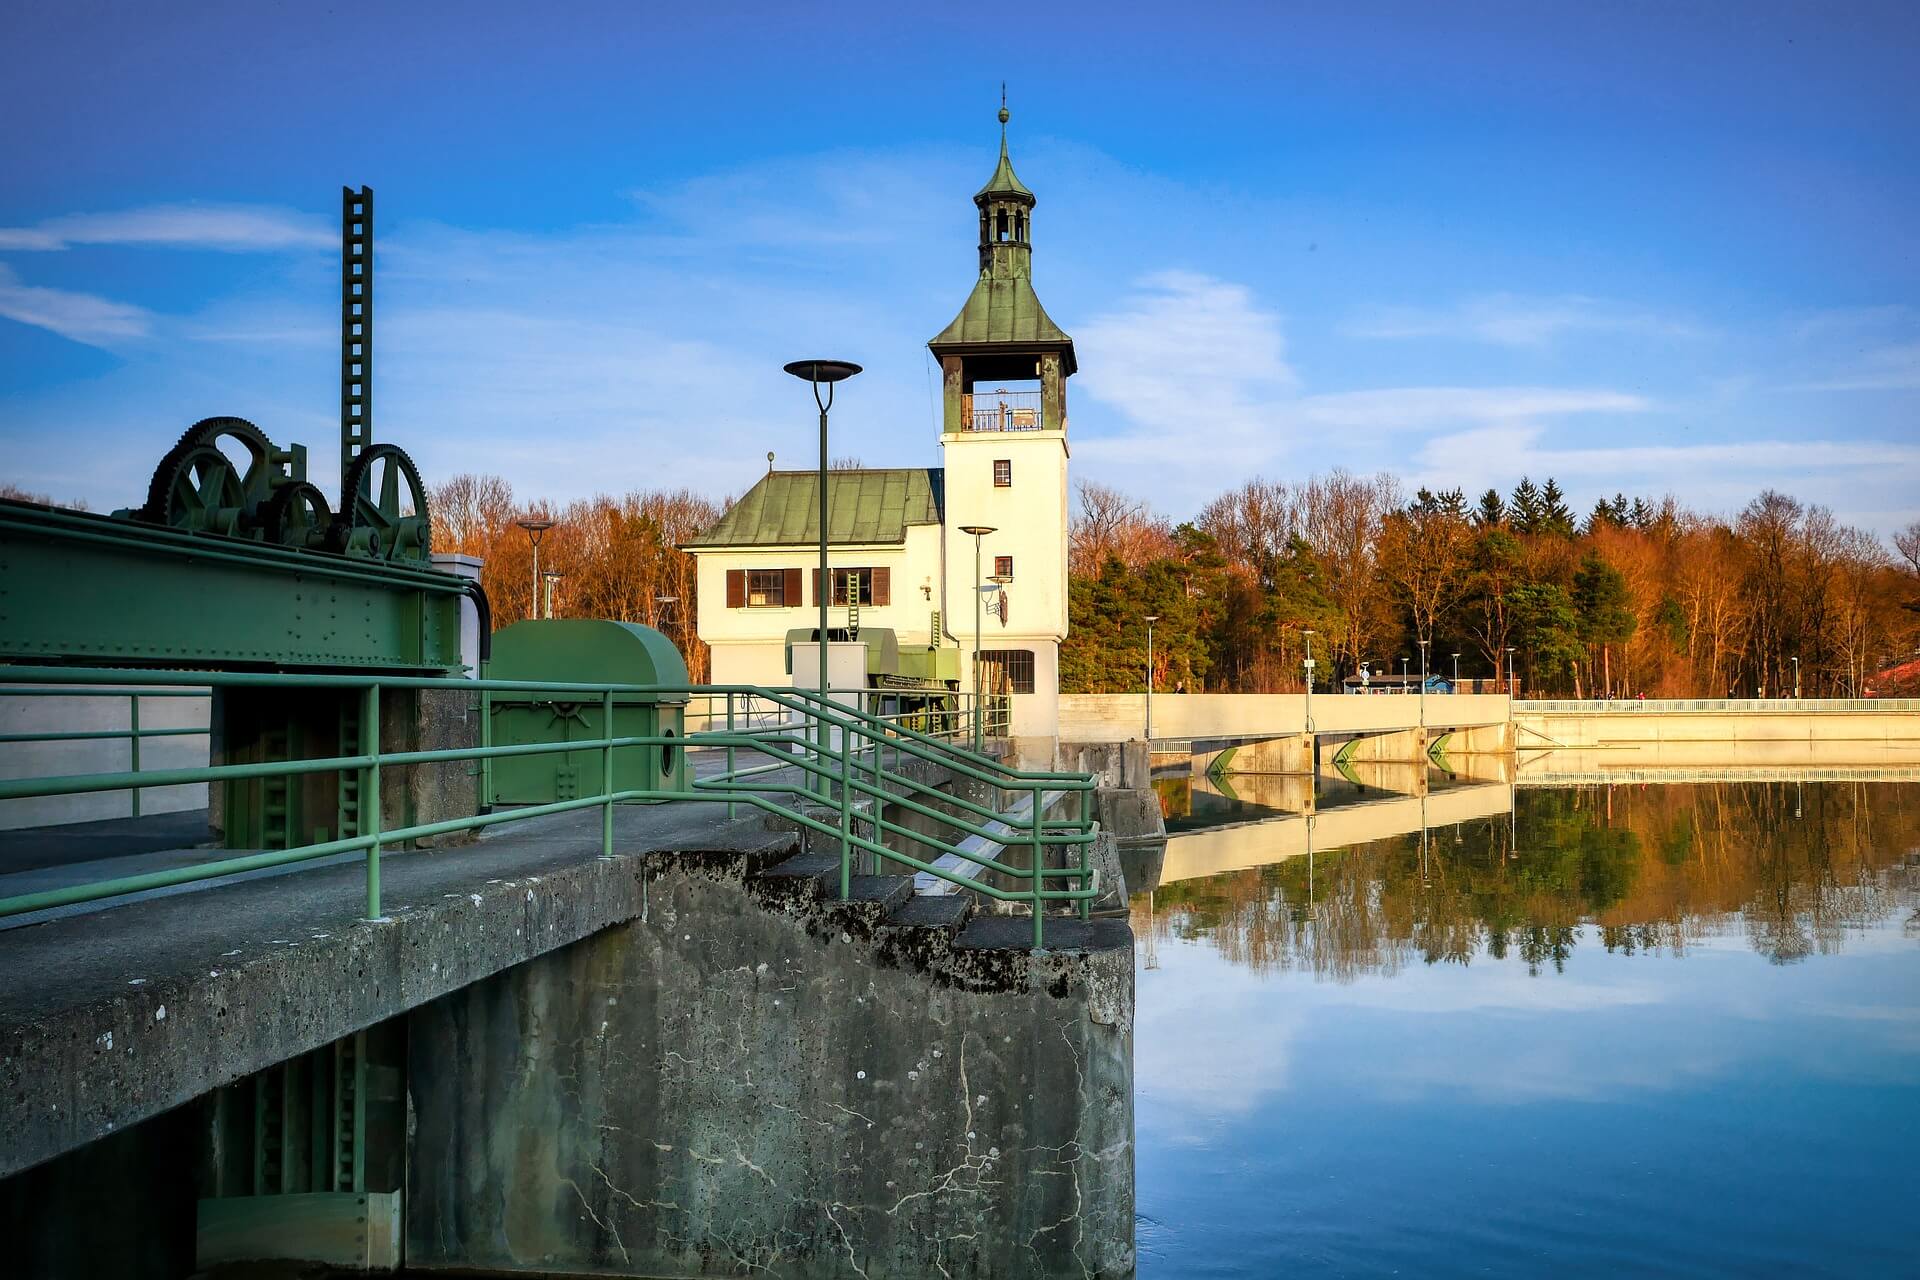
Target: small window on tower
(1003, 566)
(1003, 473)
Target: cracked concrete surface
(751, 1079)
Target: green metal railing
(822, 760)
(132, 735)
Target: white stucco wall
(913, 569)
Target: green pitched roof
(782, 510)
(1003, 309)
(1004, 181)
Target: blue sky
(1634, 248)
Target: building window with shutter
(857, 585)
(1006, 670)
(762, 588)
(1003, 473)
(1003, 566)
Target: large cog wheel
(202, 493)
(383, 508)
(256, 481)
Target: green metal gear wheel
(297, 515)
(202, 493)
(383, 508)
(256, 481)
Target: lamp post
(978, 531)
(548, 578)
(1796, 677)
(1306, 637)
(1423, 683)
(1510, 686)
(535, 527)
(821, 373)
(1456, 673)
(1403, 673)
(1151, 619)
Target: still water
(1662, 1030)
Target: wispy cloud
(227, 228)
(1889, 368)
(1510, 320)
(83, 317)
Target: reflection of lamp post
(550, 577)
(1151, 619)
(978, 531)
(535, 527)
(819, 372)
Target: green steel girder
(79, 587)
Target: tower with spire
(1004, 366)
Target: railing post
(133, 723)
(606, 773)
(730, 800)
(846, 816)
(1086, 855)
(1039, 858)
(370, 793)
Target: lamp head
(977, 530)
(822, 370)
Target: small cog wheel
(297, 515)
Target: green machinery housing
(234, 559)
(595, 651)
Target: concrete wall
(733, 1084)
(95, 714)
(1115, 717)
(1784, 737)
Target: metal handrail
(133, 735)
(833, 774)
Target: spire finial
(1004, 113)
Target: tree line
(1639, 597)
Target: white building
(901, 560)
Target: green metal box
(586, 651)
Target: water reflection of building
(1791, 868)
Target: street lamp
(548, 578)
(1306, 636)
(823, 373)
(1151, 619)
(665, 612)
(535, 527)
(1510, 685)
(1456, 673)
(1423, 682)
(1403, 673)
(1796, 677)
(978, 531)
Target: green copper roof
(1002, 309)
(862, 507)
(1004, 181)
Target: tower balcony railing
(1003, 411)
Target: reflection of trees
(1650, 868)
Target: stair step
(992, 933)
(803, 866)
(928, 911)
(888, 892)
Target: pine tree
(1493, 510)
(1526, 507)
(1555, 516)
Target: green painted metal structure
(827, 770)
(76, 587)
(623, 653)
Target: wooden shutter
(736, 588)
(790, 589)
(816, 587)
(882, 587)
